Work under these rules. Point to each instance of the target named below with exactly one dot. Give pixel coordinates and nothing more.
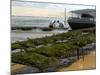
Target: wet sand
(89, 62)
(15, 67)
(22, 69)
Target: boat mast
(65, 16)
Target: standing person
(57, 24)
(51, 25)
(61, 25)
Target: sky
(26, 8)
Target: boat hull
(77, 23)
(74, 25)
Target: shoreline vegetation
(50, 52)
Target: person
(61, 25)
(58, 21)
(56, 24)
(51, 25)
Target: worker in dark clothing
(61, 25)
(51, 25)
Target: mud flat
(89, 62)
(22, 69)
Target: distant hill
(92, 12)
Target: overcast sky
(24, 8)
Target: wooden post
(78, 54)
(83, 54)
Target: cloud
(25, 11)
(49, 5)
(30, 8)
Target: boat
(85, 21)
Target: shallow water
(18, 35)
